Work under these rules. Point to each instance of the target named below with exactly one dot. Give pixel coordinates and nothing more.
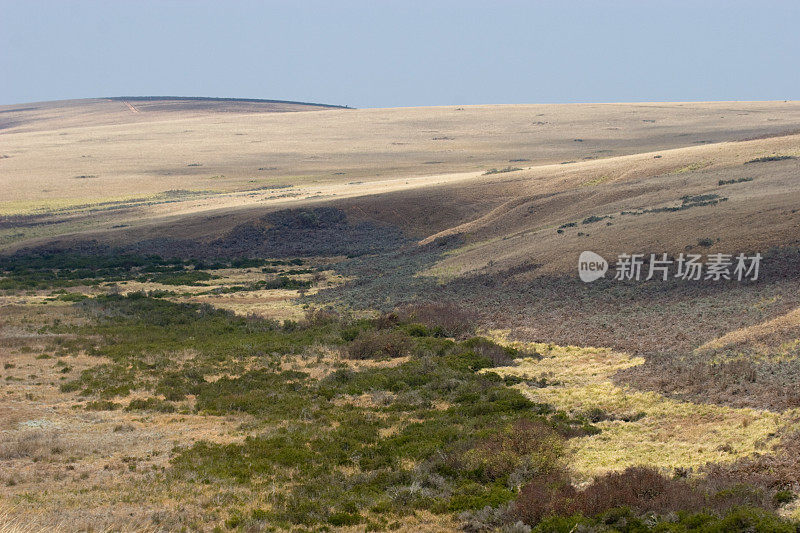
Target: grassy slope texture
(290, 316)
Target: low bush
(594, 218)
(641, 488)
(638, 492)
(500, 170)
(770, 158)
(378, 345)
(101, 405)
(320, 317)
(189, 277)
(473, 440)
(442, 319)
(626, 520)
(284, 282)
(549, 494)
(150, 404)
(494, 353)
(522, 449)
(735, 180)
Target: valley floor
(137, 376)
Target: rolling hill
(339, 237)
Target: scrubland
(216, 316)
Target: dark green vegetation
(594, 218)
(410, 417)
(735, 180)
(687, 202)
(28, 271)
(49, 269)
(435, 430)
(179, 277)
(280, 282)
(769, 158)
(500, 170)
(432, 432)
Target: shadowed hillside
(43, 116)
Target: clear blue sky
(402, 53)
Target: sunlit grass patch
(638, 427)
(598, 180)
(65, 205)
(699, 165)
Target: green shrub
(524, 446)
(783, 497)
(101, 405)
(284, 282)
(735, 180)
(594, 218)
(345, 519)
(500, 170)
(339, 457)
(770, 158)
(477, 496)
(267, 394)
(191, 277)
(416, 330)
(72, 297)
(494, 353)
(150, 404)
(378, 345)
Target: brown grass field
(485, 207)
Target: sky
(402, 53)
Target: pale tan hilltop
(85, 165)
(60, 114)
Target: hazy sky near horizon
(402, 53)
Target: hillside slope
(91, 112)
(79, 172)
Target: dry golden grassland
(641, 427)
(108, 171)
